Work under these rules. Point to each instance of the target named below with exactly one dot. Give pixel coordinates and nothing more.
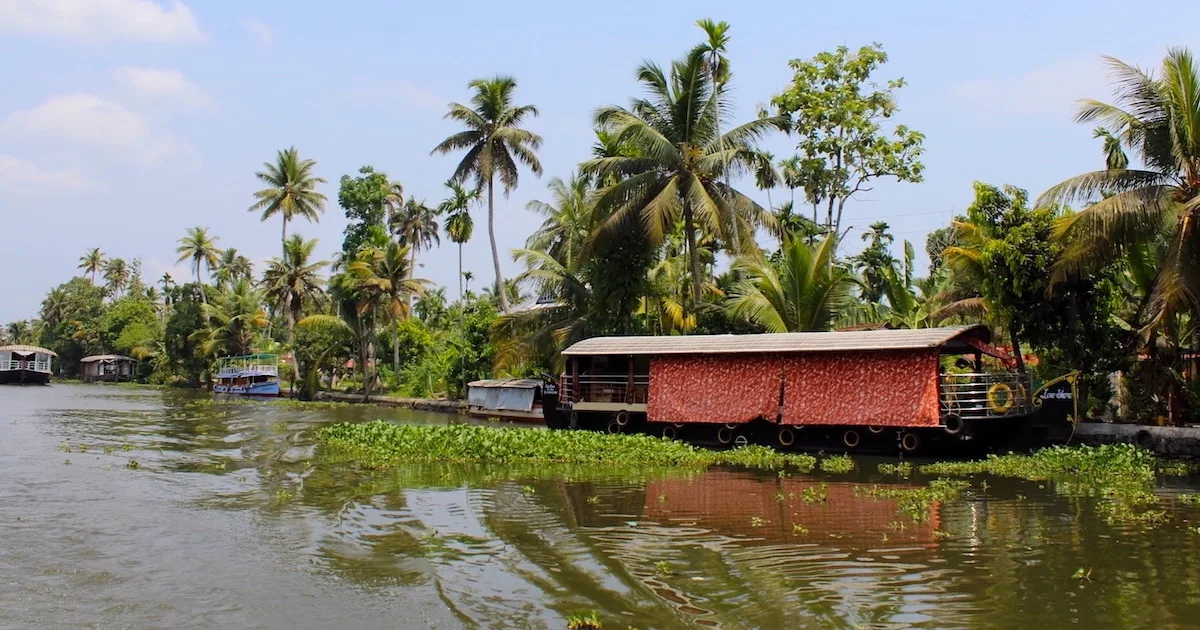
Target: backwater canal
(140, 508)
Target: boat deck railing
(36, 366)
(228, 371)
(982, 395)
(605, 388)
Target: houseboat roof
(106, 357)
(514, 383)
(771, 343)
(24, 348)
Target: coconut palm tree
(681, 161)
(1115, 158)
(394, 200)
(116, 276)
(459, 225)
(233, 267)
(200, 248)
(166, 281)
(1158, 118)
(417, 226)
(766, 177)
(569, 219)
(293, 282)
(495, 143)
(383, 279)
(92, 262)
(291, 192)
(235, 317)
(805, 291)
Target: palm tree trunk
(395, 350)
(770, 206)
(460, 276)
(690, 228)
(291, 327)
(203, 298)
(500, 293)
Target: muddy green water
(231, 518)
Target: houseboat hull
(257, 389)
(24, 377)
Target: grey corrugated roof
(106, 357)
(516, 383)
(23, 348)
(858, 340)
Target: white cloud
(98, 21)
(162, 84)
(259, 30)
(86, 120)
(23, 176)
(1050, 90)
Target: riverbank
(419, 404)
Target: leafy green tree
(569, 219)
(837, 112)
(70, 317)
(20, 332)
(874, 261)
(291, 190)
(92, 262)
(365, 199)
(130, 326)
(459, 225)
(201, 249)
(804, 291)
(1157, 117)
(383, 278)
(472, 353)
(322, 342)
(679, 164)
(116, 276)
(293, 283)
(234, 319)
(232, 267)
(184, 361)
(495, 143)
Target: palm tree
(569, 219)
(292, 282)
(1158, 118)
(383, 278)
(166, 281)
(805, 291)
(200, 248)
(682, 159)
(765, 175)
(292, 190)
(459, 225)
(235, 318)
(1115, 158)
(493, 139)
(875, 260)
(717, 69)
(92, 262)
(416, 225)
(233, 267)
(20, 331)
(116, 276)
(394, 200)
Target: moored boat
(509, 398)
(20, 364)
(248, 375)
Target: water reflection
(233, 517)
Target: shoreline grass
(382, 445)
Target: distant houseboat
(25, 365)
(511, 398)
(248, 375)
(110, 368)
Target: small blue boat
(248, 375)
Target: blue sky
(123, 122)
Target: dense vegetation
(661, 231)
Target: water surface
(188, 512)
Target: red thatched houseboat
(891, 388)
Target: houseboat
(111, 368)
(248, 375)
(511, 398)
(883, 390)
(25, 364)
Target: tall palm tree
(805, 291)
(394, 201)
(1158, 118)
(291, 192)
(116, 276)
(200, 248)
(417, 226)
(92, 262)
(495, 143)
(235, 317)
(383, 277)
(233, 267)
(765, 175)
(166, 281)
(682, 160)
(1115, 158)
(459, 225)
(292, 282)
(717, 67)
(569, 219)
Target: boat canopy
(512, 394)
(252, 356)
(951, 340)
(23, 349)
(106, 358)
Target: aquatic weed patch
(837, 464)
(917, 503)
(383, 445)
(1122, 474)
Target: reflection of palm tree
(492, 139)
(200, 248)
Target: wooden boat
(110, 368)
(20, 364)
(882, 390)
(248, 375)
(511, 398)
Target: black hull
(24, 377)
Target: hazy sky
(123, 122)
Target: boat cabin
(22, 364)
(868, 379)
(248, 375)
(512, 398)
(106, 367)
